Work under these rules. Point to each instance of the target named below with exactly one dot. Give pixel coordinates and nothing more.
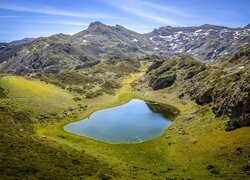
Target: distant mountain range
(100, 42)
(7, 50)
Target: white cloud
(12, 16)
(164, 8)
(53, 11)
(144, 14)
(73, 23)
(147, 10)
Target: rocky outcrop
(237, 123)
(87, 64)
(204, 98)
(155, 65)
(191, 74)
(236, 106)
(224, 85)
(161, 83)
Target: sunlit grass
(36, 94)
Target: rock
(210, 167)
(239, 149)
(161, 83)
(62, 136)
(170, 169)
(193, 140)
(167, 137)
(232, 125)
(204, 98)
(155, 65)
(214, 171)
(246, 168)
(76, 162)
(83, 58)
(181, 95)
(87, 64)
(162, 71)
(189, 75)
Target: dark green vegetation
(103, 78)
(25, 156)
(209, 97)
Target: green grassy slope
(196, 146)
(36, 94)
(24, 101)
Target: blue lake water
(134, 122)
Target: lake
(134, 122)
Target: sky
(34, 18)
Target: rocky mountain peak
(96, 24)
(209, 26)
(98, 28)
(117, 26)
(247, 26)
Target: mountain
(107, 41)
(86, 48)
(100, 42)
(206, 42)
(22, 41)
(7, 50)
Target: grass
(35, 94)
(23, 154)
(196, 141)
(194, 147)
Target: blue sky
(34, 18)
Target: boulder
(161, 83)
(204, 98)
(155, 65)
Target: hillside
(24, 155)
(8, 50)
(205, 42)
(222, 85)
(207, 140)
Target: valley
(195, 146)
(53, 81)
